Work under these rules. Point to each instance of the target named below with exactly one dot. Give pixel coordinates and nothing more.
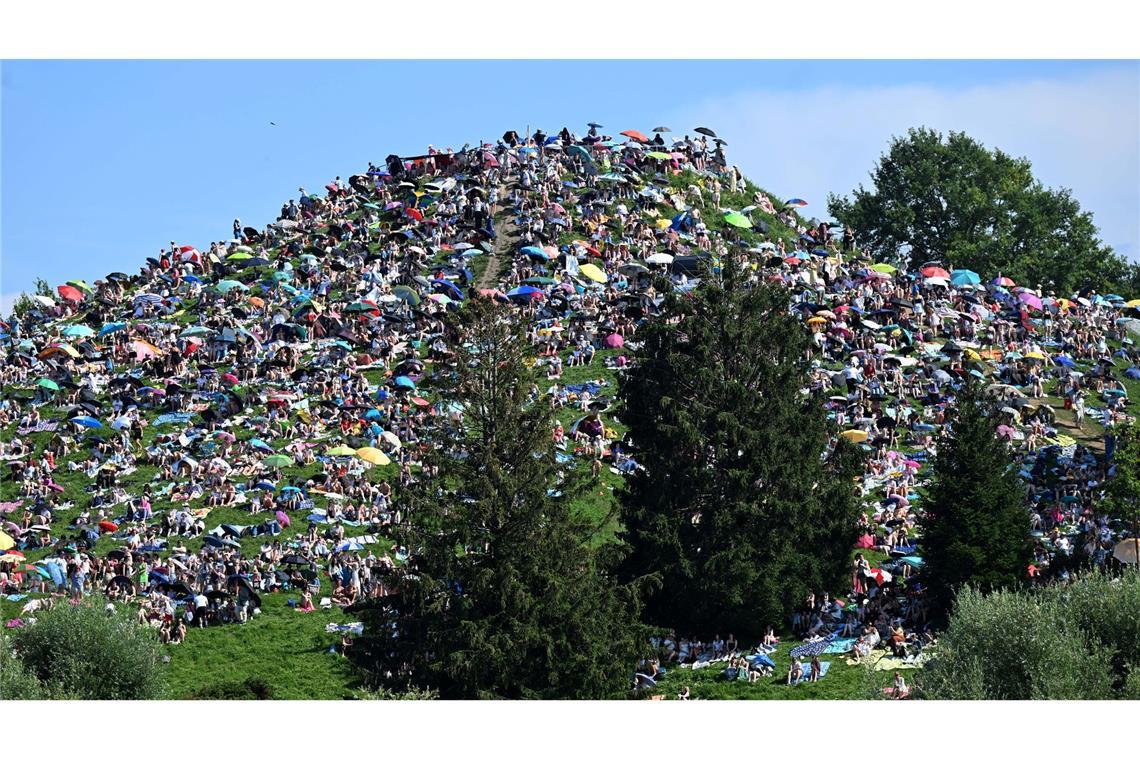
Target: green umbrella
(659, 155)
(197, 331)
(539, 281)
(404, 293)
(737, 219)
(239, 256)
(43, 382)
(342, 451)
(277, 460)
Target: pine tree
(739, 512)
(503, 596)
(976, 525)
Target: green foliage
(976, 526)
(409, 694)
(1080, 641)
(954, 200)
(23, 303)
(503, 597)
(83, 652)
(16, 681)
(736, 512)
(1123, 492)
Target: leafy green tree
(1014, 645)
(503, 596)
(738, 511)
(24, 303)
(1077, 641)
(83, 652)
(16, 681)
(976, 525)
(1123, 492)
(952, 199)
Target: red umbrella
(935, 272)
(229, 378)
(419, 401)
(108, 526)
(633, 134)
(415, 213)
(70, 293)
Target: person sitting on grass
(816, 669)
(795, 672)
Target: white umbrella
(1127, 551)
(659, 258)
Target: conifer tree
(503, 596)
(740, 511)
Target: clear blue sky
(105, 162)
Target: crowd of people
(284, 375)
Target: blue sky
(104, 162)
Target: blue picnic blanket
(840, 646)
(806, 669)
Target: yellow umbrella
(663, 224)
(13, 558)
(973, 355)
(1036, 355)
(816, 321)
(885, 268)
(6, 541)
(854, 436)
(373, 455)
(1133, 303)
(592, 271)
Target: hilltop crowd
(282, 378)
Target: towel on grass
(806, 669)
(898, 663)
(840, 646)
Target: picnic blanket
(43, 426)
(899, 663)
(806, 670)
(356, 628)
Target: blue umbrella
(1064, 361)
(536, 252)
(257, 443)
(89, 422)
(265, 485)
(373, 414)
(961, 277)
(523, 292)
(111, 327)
(449, 286)
(403, 381)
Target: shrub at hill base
(1080, 641)
(85, 652)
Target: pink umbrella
(229, 378)
(1029, 300)
(615, 341)
(282, 519)
(912, 464)
(9, 506)
(1005, 431)
(225, 436)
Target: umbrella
(111, 327)
(403, 381)
(593, 272)
(108, 527)
(70, 293)
(854, 436)
(78, 331)
(225, 286)
(89, 422)
(659, 258)
(406, 294)
(342, 451)
(277, 460)
(884, 268)
(615, 341)
(962, 277)
(796, 202)
(736, 219)
(373, 455)
(933, 271)
(43, 382)
(1030, 300)
(633, 134)
(1127, 551)
(705, 131)
(659, 155)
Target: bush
(1080, 641)
(16, 681)
(82, 652)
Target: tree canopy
(737, 511)
(953, 200)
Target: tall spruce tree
(503, 596)
(976, 525)
(739, 511)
